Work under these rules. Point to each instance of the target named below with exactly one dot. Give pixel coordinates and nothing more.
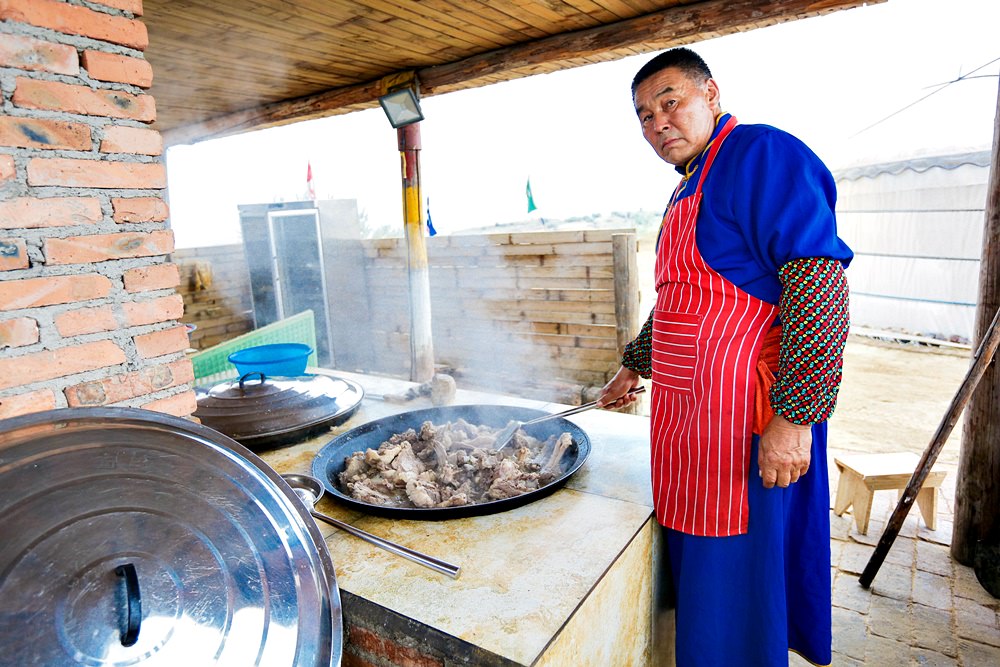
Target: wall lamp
(401, 99)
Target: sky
(574, 133)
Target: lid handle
(133, 603)
(243, 379)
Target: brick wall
(378, 637)
(88, 308)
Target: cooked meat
(362, 491)
(511, 480)
(423, 493)
(355, 467)
(451, 464)
(551, 469)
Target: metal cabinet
(307, 255)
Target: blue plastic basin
(274, 359)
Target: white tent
(916, 229)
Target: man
(750, 292)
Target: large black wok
(329, 462)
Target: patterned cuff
(815, 323)
(638, 355)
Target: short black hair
(682, 58)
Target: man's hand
(784, 452)
(613, 394)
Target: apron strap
(715, 146)
(714, 150)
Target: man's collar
(688, 169)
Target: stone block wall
(531, 310)
(88, 306)
(215, 286)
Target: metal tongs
(507, 434)
(309, 490)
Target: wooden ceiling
(226, 66)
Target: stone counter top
(525, 572)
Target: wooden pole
(981, 361)
(421, 345)
(977, 491)
(624, 248)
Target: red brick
(139, 209)
(134, 6)
(120, 139)
(37, 292)
(162, 309)
(43, 133)
(352, 660)
(160, 276)
(56, 96)
(178, 405)
(366, 640)
(36, 54)
(18, 331)
(50, 364)
(162, 342)
(7, 168)
(396, 654)
(130, 385)
(76, 20)
(96, 174)
(23, 404)
(119, 69)
(13, 254)
(85, 321)
(104, 247)
(29, 212)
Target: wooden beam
(625, 251)
(671, 27)
(977, 490)
(626, 284)
(329, 103)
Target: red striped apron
(707, 337)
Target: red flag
(309, 181)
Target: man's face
(677, 114)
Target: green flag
(531, 200)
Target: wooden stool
(861, 475)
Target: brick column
(88, 306)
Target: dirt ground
(894, 396)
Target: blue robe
(748, 599)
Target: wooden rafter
(675, 26)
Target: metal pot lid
(258, 407)
(132, 537)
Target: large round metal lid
(258, 410)
(132, 537)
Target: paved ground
(923, 608)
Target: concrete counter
(565, 580)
